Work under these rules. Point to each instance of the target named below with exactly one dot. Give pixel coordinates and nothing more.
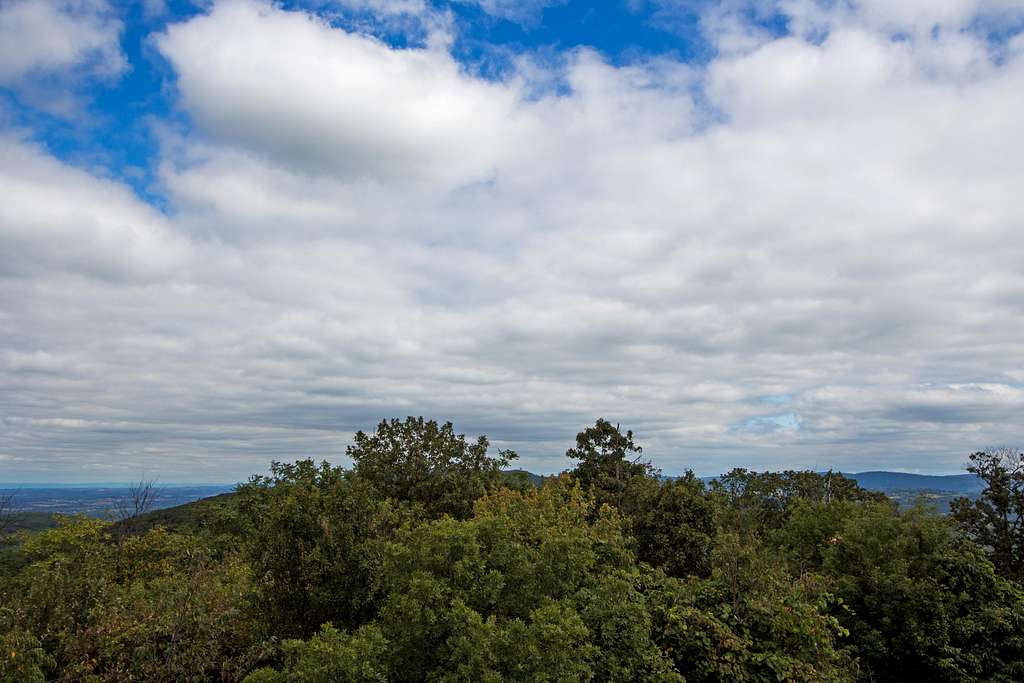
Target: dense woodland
(428, 561)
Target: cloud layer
(804, 252)
(43, 43)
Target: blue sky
(760, 233)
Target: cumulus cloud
(55, 217)
(803, 253)
(43, 43)
(313, 97)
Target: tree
(154, 606)
(429, 464)
(762, 500)
(538, 585)
(22, 657)
(674, 525)
(673, 521)
(140, 499)
(996, 519)
(919, 601)
(608, 461)
(750, 620)
(535, 586)
(310, 530)
(380, 573)
(6, 511)
(331, 656)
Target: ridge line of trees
(424, 561)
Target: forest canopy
(427, 560)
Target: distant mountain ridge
(881, 480)
(35, 507)
(100, 501)
(903, 487)
(535, 479)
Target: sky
(758, 233)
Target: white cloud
(743, 25)
(57, 217)
(305, 95)
(805, 254)
(925, 15)
(46, 36)
(49, 47)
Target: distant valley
(906, 488)
(34, 506)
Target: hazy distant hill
(535, 479)
(100, 500)
(187, 506)
(30, 521)
(938, 491)
(193, 515)
(903, 481)
(964, 484)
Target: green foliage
(750, 620)
(310, 532)
(996, 519)
(197, 516)
(459, 592)
(608, 462)
(537, 585)
(331, 656)
(28, 521)
(810, 530)
(673, 523)
(422, 462)
(426, 562)
(153, 607)
(615, 610)
(762, 500)
(766, 624)
(919, 602)
(22, 657)
(550, 645)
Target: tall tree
(763, 499)
(996, 519)
(424, 462)
(608, 461)
(673, 523)
(309, 530)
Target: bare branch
(139, 500)
(6, 511)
